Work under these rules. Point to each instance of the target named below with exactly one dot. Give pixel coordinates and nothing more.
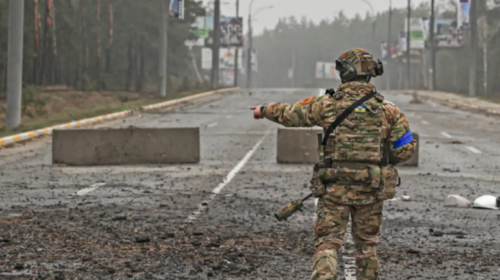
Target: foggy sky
(315, 10)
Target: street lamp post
(216, 45)
(432, 71)
(408, 65)
(373, 14)
(249, 51)
(237, 50)
(250, 41)
(388, 46)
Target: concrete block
(414, 160)
(298, 145)
(126, 146)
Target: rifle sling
(344, 115)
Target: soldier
(358, 174)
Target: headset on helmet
(348, 72)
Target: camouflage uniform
(357, 149)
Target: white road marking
(212, 125)
(228, 179)
(315, 209)
(424, 122)
(348, 255)
(474, 150)
(92, 188)
(228, 116)
(446, 135)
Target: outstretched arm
(305, 113)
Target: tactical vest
(359, 138)
(358, 174)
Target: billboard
(226, 58)
(447, 34)
(320, 70)
(326, 70)
(463, 14)
(330, 72)
(231, 31)
(417, 32)
(226, 78)
(206, 58)
(402, 41)
(176, 9)
(492, 4)
(199, 31)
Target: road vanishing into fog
(214, 220)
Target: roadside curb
(449, 101)
(48, 130)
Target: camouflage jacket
(322, 111)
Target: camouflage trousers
(330, 228)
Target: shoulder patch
(307, 100)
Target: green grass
(56, 119)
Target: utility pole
(162, 72)
(486, 35)
(249, 52)
(216, 45)
(432, 71)
(236, 53)
(408, 65)
(15, 63)
(473, 49)
(388, 49)
(293, 69)
(374, 23)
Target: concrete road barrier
(126, 146)
(300, 146)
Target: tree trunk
(46, 67)
(55, 60)
(98, 31)
(131, 65)
(79, 69)
(85, 43)
(110, 45)
(3, 76)
(140, 64)
(36, 45)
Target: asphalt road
(214, 220)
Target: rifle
(296, 205)
(292, 207)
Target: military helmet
(356, 64)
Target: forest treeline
(98, 44)
(303, 43)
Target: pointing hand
(257, 113)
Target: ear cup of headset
(379, 68)
(347, 71)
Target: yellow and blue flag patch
(367, 55)
(360, 109)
